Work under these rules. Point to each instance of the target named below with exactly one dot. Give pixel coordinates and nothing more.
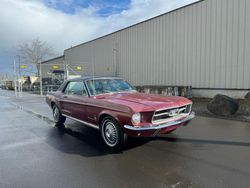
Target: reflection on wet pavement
(207, 153)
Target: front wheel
(59, 119)
(112, 133)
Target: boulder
(244, 107)
(223, 105)
(247, 96)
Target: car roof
(94, 77)
(84, 78)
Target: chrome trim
(103, 78)
(163, 120)
(184, 108)
(167, 113)
(170, 118)
(84, 86)
(156, 127)
(84, 122)
(85, 83)
(173, 107)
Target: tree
(35, 51)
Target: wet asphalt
(33, 153)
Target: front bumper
(161, 126)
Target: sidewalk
(31, 102)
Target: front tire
(112, 134)
(59, 119)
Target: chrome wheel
(56, 114)
(59, 119)
(110, 133)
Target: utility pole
(41, 80)
(19, 65)
(18, 74)
(66, 70)
(15, 78)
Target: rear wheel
(112, 133)
(59, 119)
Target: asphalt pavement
(34, 153)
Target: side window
(75, 88)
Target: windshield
(100, 86)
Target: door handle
(65, 97)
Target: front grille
(165, 114)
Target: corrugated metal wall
(206, 45)
(47, 67)
(97, 55)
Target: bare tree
(35, 51)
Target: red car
(114, 107)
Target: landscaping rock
(244, 107)
(223, 105)
(247, 96)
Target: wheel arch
(104, 115)
(108, 114)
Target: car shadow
(86, 141)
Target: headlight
(136, 118)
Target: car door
(94, 106)
(73, 100)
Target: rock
(223, 105)
(247, 96)
(244, 107)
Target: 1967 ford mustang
(114, 107)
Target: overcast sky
(65, 23)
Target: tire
(112, 134)
(59, 119)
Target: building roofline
(174, 10)
(62, 56)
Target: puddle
(44, 118)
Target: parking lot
(207, 153)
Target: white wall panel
(206, 45)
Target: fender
(121, 117)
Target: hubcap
(56, 114)
(110, 133)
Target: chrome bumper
(156, 127)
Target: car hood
(145, 102)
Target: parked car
(114, 107)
